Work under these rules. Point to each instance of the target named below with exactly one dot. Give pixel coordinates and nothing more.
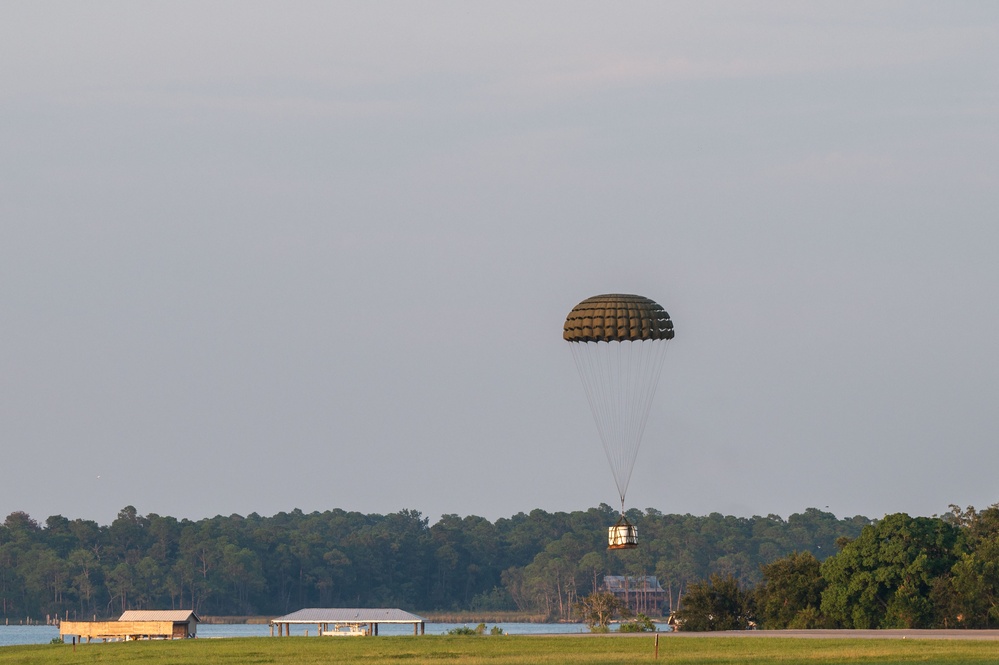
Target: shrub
(641, 624)
(462, 630)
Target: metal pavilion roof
(348, 615)
(177, 616)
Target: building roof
(631, 583)
(348, 615)
(177, 616)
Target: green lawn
(509, 650)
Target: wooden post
(657, 646)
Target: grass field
(509, 650)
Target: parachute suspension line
(619, 379)
(644, 368)
(596, 373)
(647, 371)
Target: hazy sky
(259, 256)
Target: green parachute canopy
(617, 318)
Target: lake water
(11, 635)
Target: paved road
(990, 635)
(854, 634)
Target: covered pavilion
(346, 620)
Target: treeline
(901, 572)
(540, 562)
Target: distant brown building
(640, 593)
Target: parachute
(619, 343)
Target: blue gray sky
(258, 256)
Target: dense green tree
(85, 579)
(592, 566)
(969, 596)
(127, 536)
(791, 592)
(715, 604)
(884, 578)
(973, 593)
(539, 562)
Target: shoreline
(435, 616)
